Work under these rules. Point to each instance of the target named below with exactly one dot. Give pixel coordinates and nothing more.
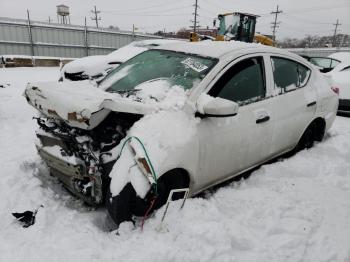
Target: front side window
(243, 83)
(288, 74)
(181, 69)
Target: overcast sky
(299, 17)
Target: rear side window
(243, 83)
(288, 74)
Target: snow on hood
(90, 65)
(160, 92)
(74, 101)
(83, 105)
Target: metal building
(24, 37)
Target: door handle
(311, 104)
(262, 119)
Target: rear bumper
(344, 106)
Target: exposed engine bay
(75, 156)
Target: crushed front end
(75, 155)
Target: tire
(127, 204)
(307, 139)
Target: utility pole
(275, 23)
(335, 32)
(30, 34)
(195, 22)
(86, 39)
(96, 18)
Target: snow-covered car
(341, 56)
(97, 66)
(324, 64)
(340, 78)
(188, 115)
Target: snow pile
(292, 210)
(162, 93)
(170, 131)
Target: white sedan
(188, 115)
(97, 66)
(340, 77)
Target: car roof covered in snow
(218, 49)
(341, 56)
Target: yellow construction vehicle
(236, 26)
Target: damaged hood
(83, 105)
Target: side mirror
(216, 107)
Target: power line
(217, 6)
(315, 9)
(163, 4)
(306, 21)
(152, 15)
(275, 23)
(96, 18)
(335, 31)
(143, 12)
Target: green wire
(147, 158)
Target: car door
(229, 145)
(294, 101)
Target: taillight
(335, 90)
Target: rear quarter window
(288, 74)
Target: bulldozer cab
(236, 26)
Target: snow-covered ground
(297, 209)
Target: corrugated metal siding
(59, 40)
(14, 33)
(14, 49)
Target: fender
(170, 140)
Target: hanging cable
(155, 185)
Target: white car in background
(340, 77)
(96, 67)
(340, 56)
(184, 115)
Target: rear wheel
(314, 132)
(127, 204)
(307, 140)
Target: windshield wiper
(130, 91)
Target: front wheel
(127, 203)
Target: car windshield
(185, 70)
(326, 64)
